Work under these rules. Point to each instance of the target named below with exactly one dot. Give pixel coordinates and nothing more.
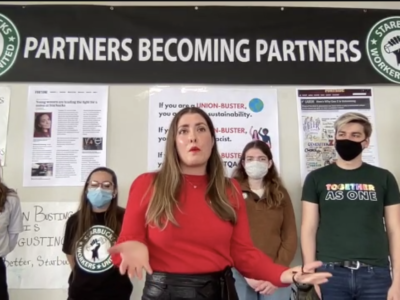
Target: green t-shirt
(351, 209)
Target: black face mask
(347, 149)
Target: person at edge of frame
(11, 225)
(89, 233)
(271, 216)
(188, 222)
(345, 206)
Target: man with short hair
(344, 207)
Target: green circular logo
(9, 44)
(383, 48)
(92, 250)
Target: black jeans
(213, 286)
(3, 281)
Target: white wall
(127, 133)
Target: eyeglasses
(105, 185)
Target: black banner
(199, 45)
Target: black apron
(212, 286)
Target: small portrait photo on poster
(92, 143)
(42, 170)
(42, 125)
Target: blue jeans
(245, 292)
(366, 283)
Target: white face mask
(256, 169)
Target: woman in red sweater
(188, 223)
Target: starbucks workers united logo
(383, 48)
(9, 44)
(92, 250)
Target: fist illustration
(393, 47)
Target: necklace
(193, 185)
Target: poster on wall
(240, 115)
(318, 109)
(37, 261)
(4, 113)
(66, 134)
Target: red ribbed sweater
(202, 243)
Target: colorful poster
(66, 134)
(4, 113)
(240, 115)
(38, 262)
(318, 109)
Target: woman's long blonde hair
(166, 188)
(272, 183)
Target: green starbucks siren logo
(383, 48)
(9, 44)
(92, 250)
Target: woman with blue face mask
(89, 233)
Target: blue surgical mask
(99, 197)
